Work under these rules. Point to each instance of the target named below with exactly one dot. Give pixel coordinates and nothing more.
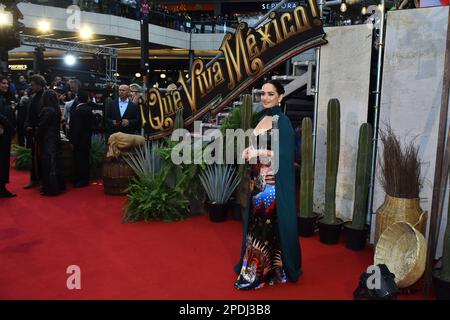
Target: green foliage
(307, 171)
(333, 147)
(97, 153)
(362, 179)
(151, 198)
(219, 182)
(146, 160)
(23, 160)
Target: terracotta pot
(399, 210)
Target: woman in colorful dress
(271, 252)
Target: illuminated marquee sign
(247, 55)
(17, 67)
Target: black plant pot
(329, 233)
(441, 287)
(218, 212)
(307, 226)
(355, 239)
(237, 211)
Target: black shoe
(7, 194)
(32, 184)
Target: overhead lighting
(364, 11)
(70, 59)
(163, 75)
(116, 74)
(43, 26)
(6, 18)
(137, 75)
(86, 33)
(343, 7)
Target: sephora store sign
(288, 6)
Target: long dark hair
(278, 86)
(6, 94)
(50, 100)
(279, 89)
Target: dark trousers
(35, 163)
(81, 165)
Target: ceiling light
(70, 59)
(43, 26)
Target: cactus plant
(362, 178)
(307, 171)
(333, 147)
(179, 121)
(244, 169)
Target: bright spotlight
(138, 75)
(70, 59)
(86, 33)
(6, 18)
(343, 7)
(43, 26)
(163, 75)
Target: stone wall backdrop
(412, 86)
(344, 74)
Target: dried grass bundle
(400, 167)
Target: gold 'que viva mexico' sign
(247, 55)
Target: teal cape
(285, 200)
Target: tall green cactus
(333, 147)
(362, 178)
(244, 169)
(307, 171)
(179, 121)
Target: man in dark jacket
(80, 133)
(38, 84)
(123, 115)
(7, 123)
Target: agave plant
(219, 182)
(145, 161)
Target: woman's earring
(279, 103)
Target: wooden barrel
(117, 175)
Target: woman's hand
(250, 153)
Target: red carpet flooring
(193, 259)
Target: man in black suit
(38, 85)
(80, 133)
(123, 115)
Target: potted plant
(154, 194)
(357, 229)
(22, 157)
(307, 218)
(219, 182)
(401, 180)
(441, 274)
(329, 225)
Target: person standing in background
(7, 123)
(38, 84)
(80, 134)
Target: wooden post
(440, 170)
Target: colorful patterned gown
(262, 264)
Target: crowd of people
(41, 115)
(158, 14)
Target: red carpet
(193, 259)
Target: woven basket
(402, 248)
(399, 210)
